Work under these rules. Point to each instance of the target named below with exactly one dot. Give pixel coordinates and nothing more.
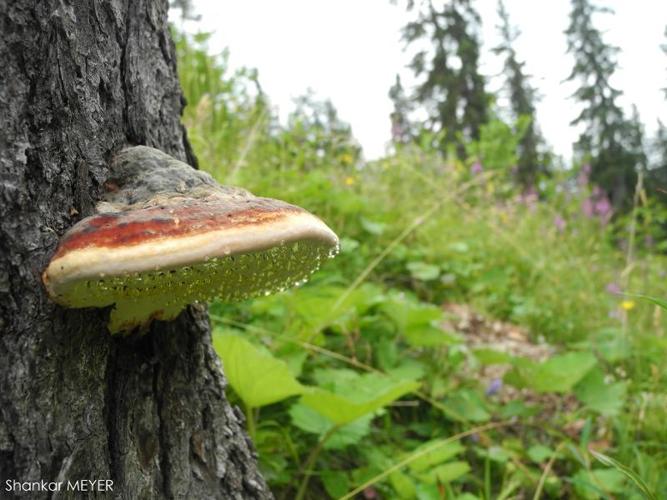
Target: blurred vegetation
(361, 382)
(612, 143)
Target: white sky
(350, 50)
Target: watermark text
(81, 485)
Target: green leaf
(337, 380)
(437, 456)
(498, 454)
(466, 405)
(596, 483)
(611, 344)
(427, 491)
(539, 453)
(558, 374)
(409, 369)
(606, 399)
(403, 485)
(348, 245)
(294, 356)
(309, 420)
(423, 271)
(445, 473)
(518, 408)
(258, 378)
(417, 322)
(335, 482)
(374, 228)
(315, 306)
(368, 394)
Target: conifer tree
(608, 139)
(316, 123)
(635, 142)
(401, 127)
(452, 89)
(187, 11)
(522, 99)
(657, 174)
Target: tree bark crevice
(162, 438)
(111, 415)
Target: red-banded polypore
(167, 235)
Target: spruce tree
(657, 173)
(401, 127)
(187, 11)
(608, 140)
(635, 147)
(451, 89)
(316, 123)
(522, 98)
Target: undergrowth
(361, 382)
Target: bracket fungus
(167, 235)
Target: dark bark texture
(80, 79)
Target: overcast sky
(350, 51)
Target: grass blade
(629, 473)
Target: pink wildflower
(370, 493)
(587, 207)
(559, 223)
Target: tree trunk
(80, 80)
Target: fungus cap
(167, 235)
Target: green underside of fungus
(162, 294)
(167, 236)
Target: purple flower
(494, 386)
(603, 207)
(559, 223)
(587, 208)
(597, 204)
(476, 168)
(613, 288)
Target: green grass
(383, 398)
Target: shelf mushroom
(167, 235)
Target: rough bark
(81, 79)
